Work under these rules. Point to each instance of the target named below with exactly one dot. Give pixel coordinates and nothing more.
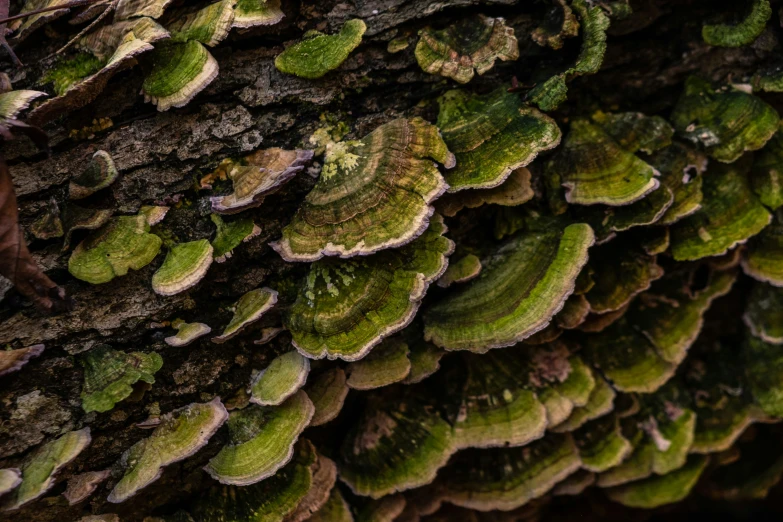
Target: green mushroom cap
(742, 33)
(99, 174)
(249, 309)
(281, 379)
(253, 13)
(180, 70)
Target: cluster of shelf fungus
(560, 349)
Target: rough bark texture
(251, 104)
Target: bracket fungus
(284, 376)
(763, 258)
(515, 191)
(315, 56)
(491, 136)
(109, 376)
(185, 265)
(398, 444)
(76, 218)
(327, 392)
(40, 468)
(271, 500)
(549, 94)
(336, 509)
(763, 371)
(386, 364)
(467, 268)
(472, 44)
(187, 333)
(262, 441)
(248, 309)
(507, 478)
(348, 306)
(726, 122)
(9, 479)
(122, 243)
(209, 25)
(13, 360)
(253, 13)
(561, 24)
(230, 235)
(180, 434)
(522, 286)
(601, 444)
(594, 168)
(741, 33)
(180, 70)
(380, 199)
(765, 176)
(729, 215)
(259, 175)
(659, 490)
(424, 359)
(763, 313)
(127, 9)
(81, 486)
(99, 174)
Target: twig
(112, 5)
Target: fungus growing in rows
(248, 309)
(259, 175)
(122, 243)
(491, 136)
(13, 360)
(549, 94)
(742, 33)
(180, 434)
(327, 391)
(386, 364)
(230, 235)
(521, 287)
(377, 197)
(730, 214)
(726, 122)
(507, 478)
(262, 441)
(109, 376)
(681, 169)
(348, 306)
(253, 13)
(187, 333)
(40, 467)
(81, 486)
(472, 44)
(271, 500)
(284, 376)
(99, 174)
(185, 265)
(595, 169)
(319, 53)
(424, 359)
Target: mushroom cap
(109, 376)
(252, 13)
(285, 375)
(180, 70)
(185, 265)
(314, 57)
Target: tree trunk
(161, 156)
